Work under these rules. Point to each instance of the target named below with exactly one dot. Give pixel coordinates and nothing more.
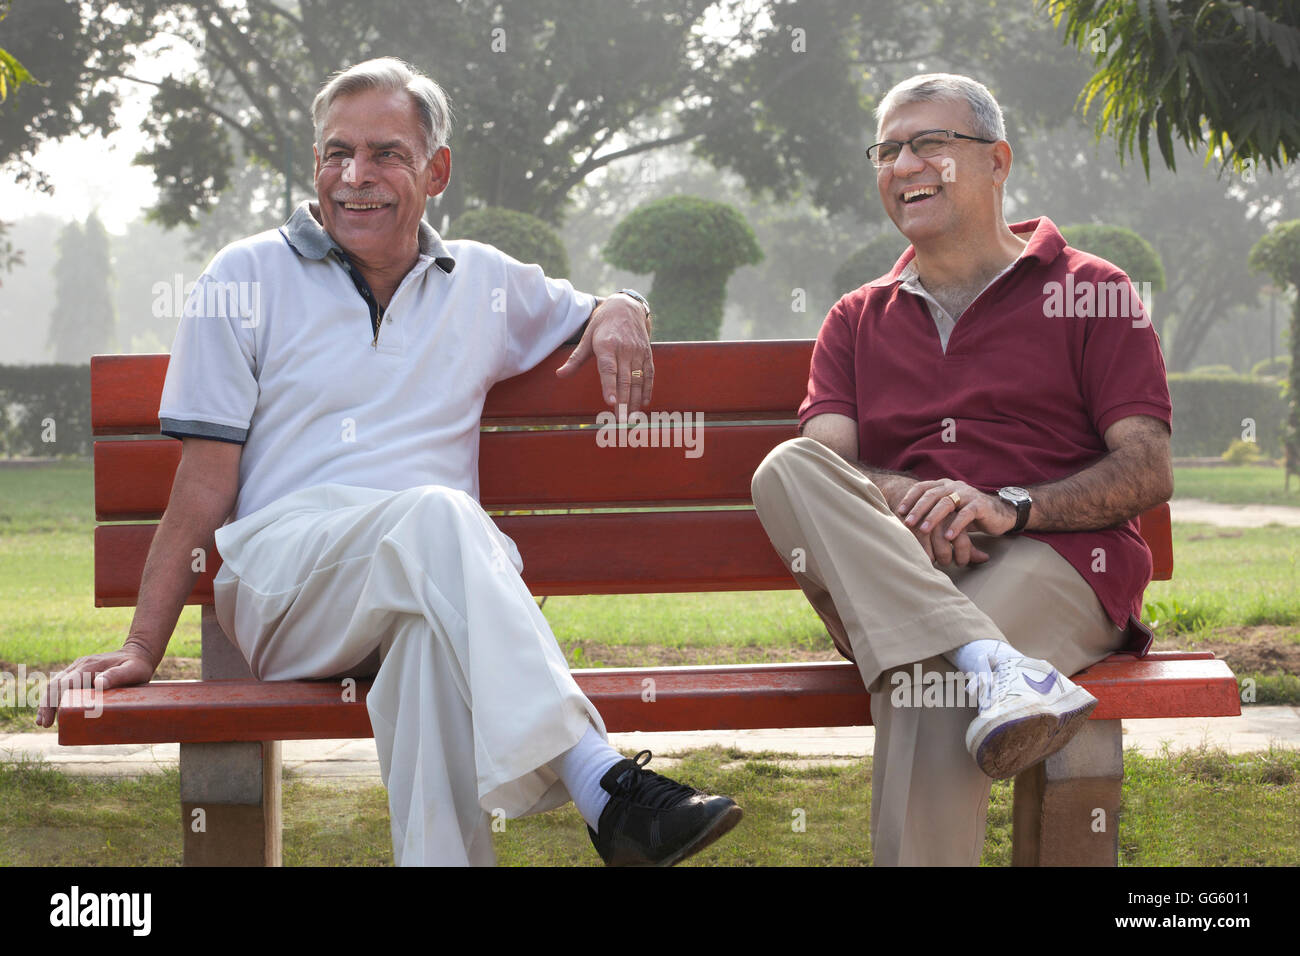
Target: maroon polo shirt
(1034, 375)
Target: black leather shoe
(653, 821)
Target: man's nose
(358, 169)
(908, 162)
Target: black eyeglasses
(930, 142)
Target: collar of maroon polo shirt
(1045, 244)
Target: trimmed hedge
(1208, 410)
(33, 396)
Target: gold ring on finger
(956, 499)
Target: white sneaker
(1031, 712)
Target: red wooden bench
(229, 726)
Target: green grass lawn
(1202, 808)
(1243, 485)
(1228, 576)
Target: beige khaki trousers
(888, 607)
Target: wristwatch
(633, 294)
(1022, 502)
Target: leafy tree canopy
(74, 51)
(544, 92)
(1214, 73)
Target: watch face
(1014, 494)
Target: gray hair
(986, 115)
(392, 74)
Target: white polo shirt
(276, 352)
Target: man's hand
(619, 336)
(839, 433)
(203, 494)
(130, 665)
(945, 550)
(928, 506)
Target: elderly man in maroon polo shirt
(982, 426)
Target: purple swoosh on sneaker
(1043, 686)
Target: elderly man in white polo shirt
(330, 429)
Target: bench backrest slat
(721, 379)
(519, 470)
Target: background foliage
(517, 234)
(692, 246)
(30, 394)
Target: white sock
(979, 656)
(581, 768)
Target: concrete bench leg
(230, 792)
(230, 803)
(1066, 809)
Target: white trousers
(473, 697)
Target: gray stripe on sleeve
(178, 428)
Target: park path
(1233, 516)
(355, 761)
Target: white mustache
(361, 197)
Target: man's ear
(439, 171)
(1002, 158)
(316, 156)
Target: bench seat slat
(685, 698)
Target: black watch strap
(1022, 502)
(632, 293)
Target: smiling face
(956, 193)
(372, 175)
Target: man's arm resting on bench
(202, 495)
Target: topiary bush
(1120, 247)
(692, 246)
(517, 234)
(877, 258)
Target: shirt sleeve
(832, 382)
(541, 315)
(211, 387)
(1123, 370)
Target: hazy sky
(96, 172)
